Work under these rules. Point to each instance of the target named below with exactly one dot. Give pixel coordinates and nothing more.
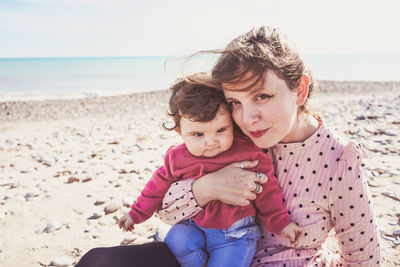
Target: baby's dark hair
(194, 101)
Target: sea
(80, 77)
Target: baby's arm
(293, 232)
(179, 203)
(269, 204)
(126, 223)
(151, 196)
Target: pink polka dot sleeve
(179, 203)
(351, 212)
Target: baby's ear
(178, 130)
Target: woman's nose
(251, 114)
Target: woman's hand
(232, 184)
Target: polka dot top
(324, 189)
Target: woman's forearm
(231, 185)
(202, 191)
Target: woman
(267, 86)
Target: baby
(220, 234)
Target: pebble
(372, 183)
(394, 173)
(51, 227)
(78, 211)
(31, 194)
(374, 173)
(73, 180)
(127, 201)
(112, 207)
(127, 241)
(97, 214)
(99, 201)
(391, 195)
(87, 179)
(63, 261)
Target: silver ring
(260, 175)
(241, 165)
(258, 186)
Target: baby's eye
(232, 104)
(221, 130)
(263, 96)
(198, 134)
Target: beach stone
(31, 194)
(73, 180)
(87, 179)
(127, 201)
(78, 211)
(63, 261)
(372, 183)
(112, 207)
(391, 195)
(380, 171)
(27, 169)
(100, 201)
(394, 173)
(97, 214)
(127, 241)
(51, 227)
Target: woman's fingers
(261, 178)
(246, 164)
(258, 189)
(233, 184)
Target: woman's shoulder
(348, 150)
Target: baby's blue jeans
(195, 246)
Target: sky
(89, 28)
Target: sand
(68, 166)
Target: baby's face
(208, 139)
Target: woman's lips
(258, 134)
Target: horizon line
(183, 56)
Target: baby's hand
(126, 223)
(293, 232)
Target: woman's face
(267, 111)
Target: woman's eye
(221, 130)
(263, 96)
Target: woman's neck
(305, 126)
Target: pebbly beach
(70, 168)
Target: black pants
(155, 254)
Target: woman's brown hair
(257, 51)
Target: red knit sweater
(179, 164)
